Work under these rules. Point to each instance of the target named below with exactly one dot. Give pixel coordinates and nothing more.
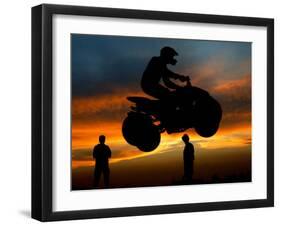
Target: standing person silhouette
(101, 153)
(188, 158)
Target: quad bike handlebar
(186, 80)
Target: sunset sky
(107, 69)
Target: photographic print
(130, 105)
(159, 111)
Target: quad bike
(188, 107)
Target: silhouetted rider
(101, 153)
(157, 69)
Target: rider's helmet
(168, 54)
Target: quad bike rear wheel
(138, 130)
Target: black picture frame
(42, 111)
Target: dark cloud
(100, 62)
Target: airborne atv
(191, 107)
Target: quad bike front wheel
(139, 130)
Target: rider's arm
(169, 83)
(173, 75)
(168, 75)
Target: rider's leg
(159, 92)
(167, 105)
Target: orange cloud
(239, 88)
(113, 101)
(225, 138)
